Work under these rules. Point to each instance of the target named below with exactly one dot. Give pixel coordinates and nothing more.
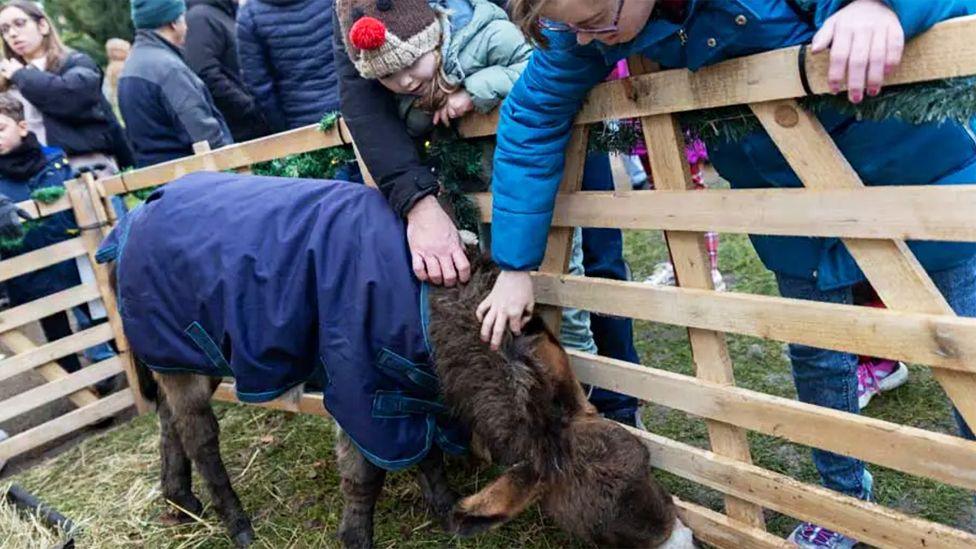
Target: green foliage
(48, 195)
(329, 121)
(459, 165)
(87, 24)
(320, 164)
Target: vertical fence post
(692, 268)
(559, 246)
(93, 220)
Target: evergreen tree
(86, 24)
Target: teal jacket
(536, 119)
(483, 52)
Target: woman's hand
(458, 104)
(10, 66)
(866, 41)
(509, 305)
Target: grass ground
(282, 464)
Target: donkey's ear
(550, 353)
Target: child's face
(12, 134)
(415, 79)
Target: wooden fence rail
(874, 223)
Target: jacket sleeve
(205, 43)
(255, 68)
(916, 16)
(192, 110)
(370, 111)
(507, 55)
(77, 89)
(532, 137)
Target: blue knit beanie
(152, 14)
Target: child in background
(697, 154)
(444, 59)
(26, 166)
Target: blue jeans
(603, 257)
(100, 352)
(829, 378)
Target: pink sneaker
(877, 375)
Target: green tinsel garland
(48, 195)
(8, 244)
(950, 100)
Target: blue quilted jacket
(536, 118)
(285, 48)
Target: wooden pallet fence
(917, 327)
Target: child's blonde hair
(526, 14)
(439, 90)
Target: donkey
(295, 291)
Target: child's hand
(866, 41)
(508, 306)
(458, 104)
(9, 66)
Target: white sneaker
(663, 275)
(718, 281)
(3, 436)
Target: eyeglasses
(18, 24)
(614, 26)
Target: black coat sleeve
(77, 89)
(206, 44)
(370, 111)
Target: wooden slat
(307, 403)
(39, 259)
(945, 51)
(301, 140)
(720, 531)
(692, 268)
(49, 392)
(64, 425)
(20, 344)
(936, 340)
(89, 210)
(890, 266)
(945, 458)
(46, 306)
(867, 522)
(912, 213)
(38, 356)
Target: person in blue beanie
(166, 107)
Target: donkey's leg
(361, 484)
(434, 485)
(175, 468)
(497, 503)
(189, 397)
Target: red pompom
(368, 33)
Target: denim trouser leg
(100, 352)
(958, 285)
(603, 257)
(829, 378)
(574, 331)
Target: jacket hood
(227, 6)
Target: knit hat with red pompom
(385, 36)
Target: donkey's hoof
(244, 538)
(465, 524)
